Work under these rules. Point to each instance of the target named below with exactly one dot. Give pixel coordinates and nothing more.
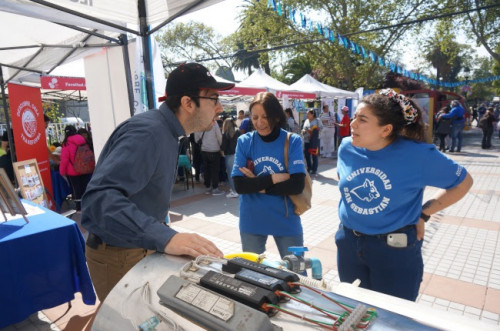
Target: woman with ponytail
(383, 169)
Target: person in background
(46, 121)
(241, 116)
(487, 124)
(87, 136)
(328, 133)
(128, 198)
(230, 136)
(210, 157)
(310, 131)
(383, 169)
(69, 147)
(480, 112)
(457, 113)
(245, 125)
(443, 127)
(291, 124)
(473, 110)
(345, 124)
(196, 157)
(265, 208)
(6, 158)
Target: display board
(30, 182)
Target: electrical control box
(268, 282)
(249, 294)
(236, 264)
(211, 310)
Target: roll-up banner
(29, 129)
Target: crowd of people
(451, 120)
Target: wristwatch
(424, 217)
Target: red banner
(296, 95)
(243, 91)
(62, 83)
(29, 128)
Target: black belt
(359, 234)
(93, 241)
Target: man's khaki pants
(108, 264)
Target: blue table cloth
(60, 188)
(42, 265)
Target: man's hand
(191, 244)
(420, 229)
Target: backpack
(483, 122)
(84, 160)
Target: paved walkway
(461, 248)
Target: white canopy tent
(36, 36)
(39, 35)
(308, 84)
(259, 79)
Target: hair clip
(410, 113)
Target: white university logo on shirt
(367, 198)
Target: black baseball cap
(191, 77)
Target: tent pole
(7, 118)
(128, 73)
(146, 51)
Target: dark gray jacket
(128, 198)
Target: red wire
(264, 306)
(335, 318)
(324, 296)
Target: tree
(261, 28)
(295, 69)
(244, 60)
(484, 24)
(192, 41)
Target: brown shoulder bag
(302, 201)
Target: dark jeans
(211, 166)
(442, 144)
(487, 133)
(78, 185)
(311, 166)
(456, 136)
(380, 267)
(197, 162)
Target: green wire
(310, 319)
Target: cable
(342, 305)
(302, 317)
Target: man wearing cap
(345, 124)
(127, 200)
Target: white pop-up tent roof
(308, 84)
(37, 36)
(259, 79)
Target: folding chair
(186, 165)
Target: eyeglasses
(215, 99)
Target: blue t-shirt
(262, 213)
(245, 124)
(382, 191)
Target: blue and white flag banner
(279, 7)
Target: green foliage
(51, 109)
(261, 27)
(483, 26)
(192, 41)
